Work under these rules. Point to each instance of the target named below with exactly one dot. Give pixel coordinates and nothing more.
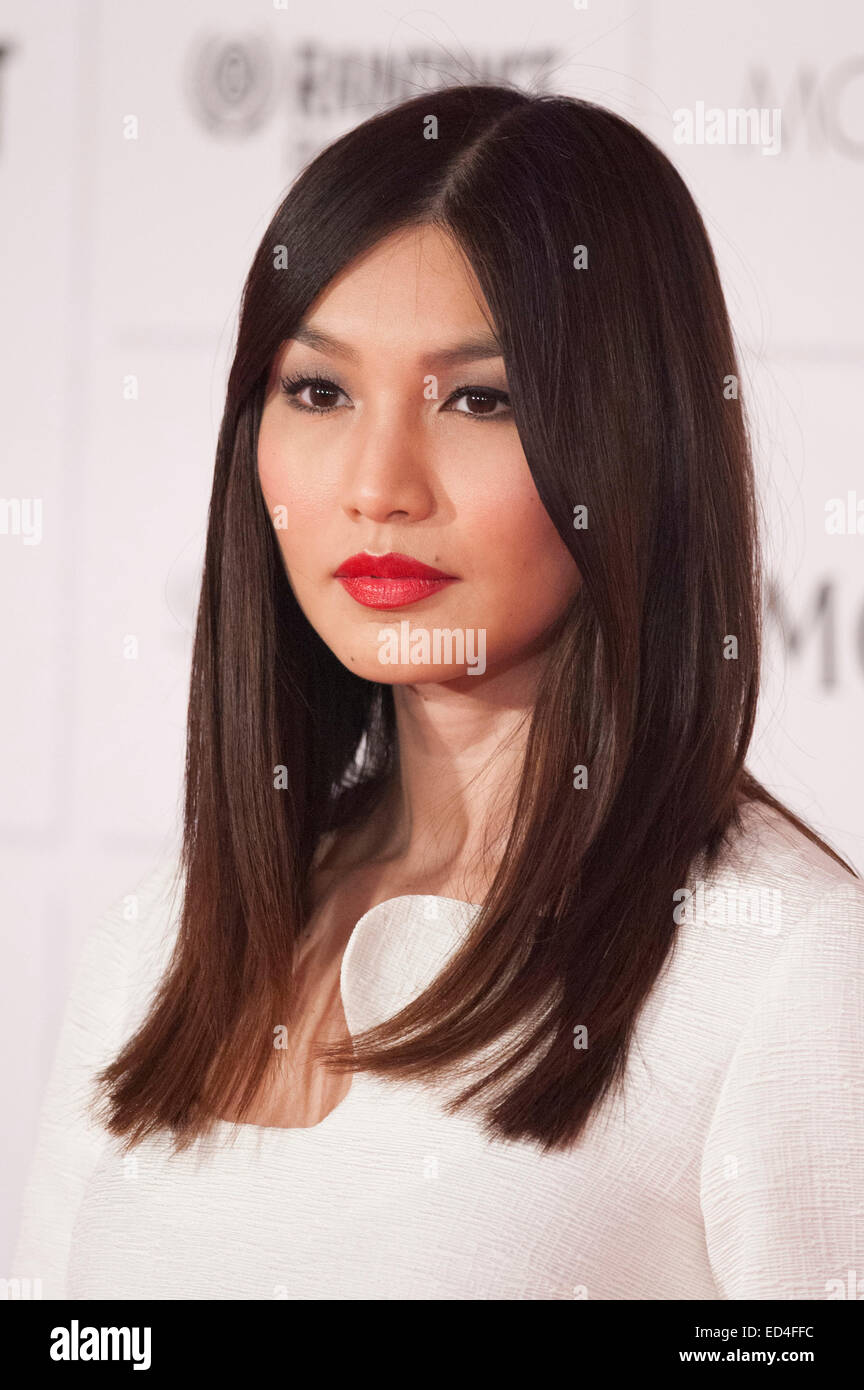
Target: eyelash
(292, 386)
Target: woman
(495, 974)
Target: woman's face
(384, 467)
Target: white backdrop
(143, 149)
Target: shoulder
(773, 880)
(129, 946)
(815, 907)
(768, 831)
(157, 902)
(774, 916)
(766, 842)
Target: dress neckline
(355, 992)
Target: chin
(405, 673)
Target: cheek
(287, 503)
(284, 480)
(277, 461)
(272, 472)
(519, 543)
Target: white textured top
(731, 1167)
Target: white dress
(732, 1166)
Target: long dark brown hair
(619, 374)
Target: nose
(387, 474)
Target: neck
(461, 746)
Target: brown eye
(321, 394)
(479, 402)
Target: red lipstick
(391, 580)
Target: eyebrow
(482, 347)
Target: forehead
(412, 289)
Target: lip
(391, 580)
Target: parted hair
(618, 376)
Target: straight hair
(618, 375)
